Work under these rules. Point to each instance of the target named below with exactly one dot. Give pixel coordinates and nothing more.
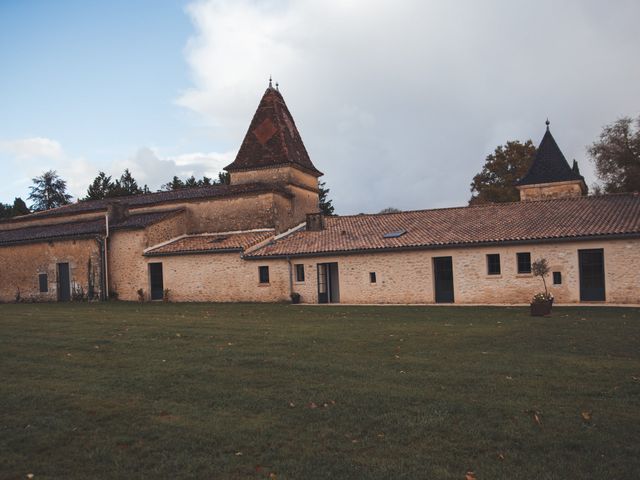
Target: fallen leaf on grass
(536, 416)
(238, 454)
(470, 476)
(500, 456)
(586, 416)
(312, 405)
(30, 475)
(292, 405)
(272, 475)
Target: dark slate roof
(272, 139)
(87, 228)
(211, 243)
(517, 222)
(151, 199)
(549, 165)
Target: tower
(550, 175)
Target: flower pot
(295, 298)
(541, 309)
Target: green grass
(213, 391)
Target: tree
(19, 207)
(5, 211)
(540, 268)
(224, 178)
(390, 210)
(496, 181)
(616, 156)
(48, 191)
(127, 185)
(174, 184)
(325, 204)
(101, 187)
(191, 182)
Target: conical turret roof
(272, 139)
(549, 165)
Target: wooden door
(64, 283)
(155, 280)
(591, 263)
(443, 279)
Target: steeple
(272, 139)
(550, 174)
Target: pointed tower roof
(272, 139)
(549, 165)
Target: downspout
(290, 277)
(106, 256)
(100, 242)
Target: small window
(263, 273)
(299, 272)
(493, 264)
(43, 281)
(557, 278)
(372, 277)
(524, 262)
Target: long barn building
(261, 239)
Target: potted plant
(295, 298)
(542, 302)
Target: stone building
(261, 239)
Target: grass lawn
(122, 390)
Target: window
(299, 272)
(557, 278)
(524, 262)
(372, 277)
(493, 264)
(263, 273)
(43, 281)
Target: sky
(398, 102)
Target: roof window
(394, 234)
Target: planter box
(541, 309)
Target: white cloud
(400, 102)
(35, 147)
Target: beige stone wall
(127, 272)
(407, 277)
(278, 175)
(21, 264)
(546, 191)
(20, 222)
(222, 278)
(166, 229)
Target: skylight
(394, 234)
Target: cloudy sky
(398, 102)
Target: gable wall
(21, 264)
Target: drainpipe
(290, 277)
(106, 257)
(100, 242)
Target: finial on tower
(270, 86)
(277, 86)
(547, 123)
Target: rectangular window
(493, 264)
(524, 262)
(557, 278)
(43, 282)
(299, 272)
(263, 273)
(372, 277)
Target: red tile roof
(158, 198)
(211, 243)
(611, 215)
(272, 139)
(89, 228)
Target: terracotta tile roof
(157, 198)
(549, 165)
(88, 228)
(272, 139)
(467, 226)
(211, 243)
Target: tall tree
(48, 191)
(174, 184)
(326, 206)
(5, 210)
(19, 207)
(127, 185)
(496, 181)
(616, 156)
(191, 182)
(101, 187)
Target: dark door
(591, 264)
(443, 278)
(328, 283)
(155, 279)
(64, 283)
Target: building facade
(261, 239)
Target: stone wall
(407, 277)
(20, 266)
(546, 191)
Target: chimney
(118, 211)
(315, 222)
